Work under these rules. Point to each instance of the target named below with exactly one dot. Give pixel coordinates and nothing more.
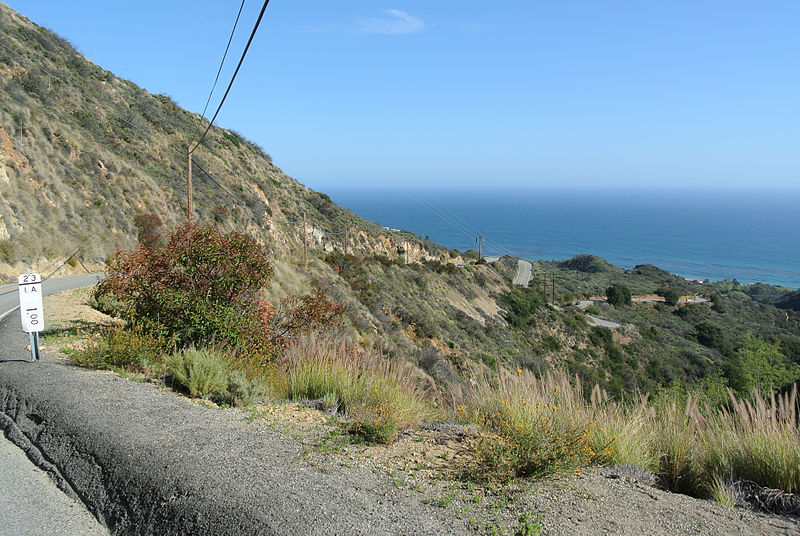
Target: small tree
(759, 365)
(671, 297)
(618, 295)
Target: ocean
(748, 236)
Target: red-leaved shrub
(205, 287)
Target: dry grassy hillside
(82, 153)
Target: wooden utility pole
(305, 241)
(189, 204)
(554, 289)
(480, 240)
(346, 238)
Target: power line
(175, 150)
(131, 124)
(231, 194)
(221, 63)
(241, 60)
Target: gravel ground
(146, 461)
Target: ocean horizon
(748, 236)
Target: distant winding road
(593, 320)
(523, 273)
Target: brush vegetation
(92, 162)
(702, 395)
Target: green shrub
(131, 349)
(592, 310)
(601, 336)
(200, 372)
(530, 444)
(242, 391)
(520, 304)
(373, 422)
(671, 296)
(489, 360)
(6, 251)
(711, 335)
(529, 427)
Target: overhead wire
(230, 84)
(454, 220)
(468, 232)
(224, 189)
(221, 63)
(122, 118)
(179, 153)
(489, 243)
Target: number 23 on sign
(30, 302)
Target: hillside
(790, 300)
(83, 154)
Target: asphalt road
(593, 320)
(523, 276)
(9, 297)
(30, 501)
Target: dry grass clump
(531, 426)
(215, 374)
(125, 348)
(757, 440)
(381, 397)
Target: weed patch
(131, 349)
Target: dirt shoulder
(146, 460)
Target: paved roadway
(30, 502)
(523, 273)
(9, 298)
(593, 320)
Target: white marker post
(31, 310)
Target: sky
(514, 94)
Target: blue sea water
(748, 236)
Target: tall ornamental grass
(756, 440)
(380, 396)
(531, 426)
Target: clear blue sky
(531, 94)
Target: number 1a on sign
(30, 303)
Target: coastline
(698, 236)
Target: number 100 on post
(30, 303)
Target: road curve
(593, 320)
(9, 297)
(523, 276)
